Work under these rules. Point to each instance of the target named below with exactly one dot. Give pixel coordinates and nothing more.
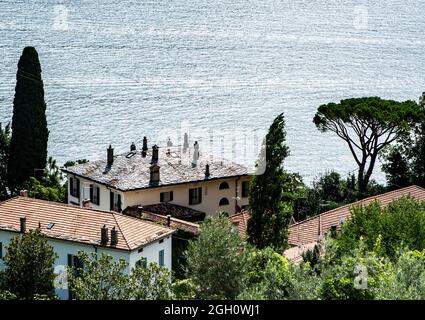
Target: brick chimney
(154, 173)
(185, 142)
(114, 237)
(145, 146)
(23, 193)
(195, 154)
(104, 235)
(154, 154)
(23, 224)
(110, 155)
(87, 203)
(207, 171)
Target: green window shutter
(200, 194)
(71, 186)
(119, 203)
(171, 195)
(91, 193)
(190, 196)
(1, 250)
(111, 200)
(161, 197)
(78, 188)
(98, 195)
(70, 260)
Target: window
(195, 195)
(245, 189)
(94, 194)
(1, 250)
(75, 263)
(161, 258)
(223, 185)
(161, 241)
(143, 262)
(224, 202)
(115, 201)
(166, 196)
(74, 187)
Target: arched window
(224, 185)
(224, 202)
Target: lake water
(117, 70)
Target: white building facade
(151, 243)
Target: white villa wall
(63, 248)
(211, 195)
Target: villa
(71, 229)
(171, 179)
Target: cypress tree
(270, 214)
(28, 145)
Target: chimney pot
(195, 154)
(169, 143)
(154, 154)
(87, 203)
(23, 193)
(207, 170)
(23, 221)
(186, 142)
(145, 146)
(168, 220)
(110, 155)
(104, 235)
(114, 236)
(133, 147)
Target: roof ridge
(356, 203)
(123, 234)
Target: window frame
(115, 201)
(195, 196)
(245, 189)
(161, 257)
(223, 204)
(224, 186)
(74, 187)
(163, 194)
(95, 195)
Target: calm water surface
(117, 70)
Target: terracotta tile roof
(77, 224)
(240, 220)
(294, 254)
(131, 171)
(178, 224)
(175, 210)
(309, 230)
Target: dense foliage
(28, 145)
(100, 277)
(28, 272)
(4, 157)
(214, 260)
(270, 213)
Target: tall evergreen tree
(28, 145)
(4, 155)
(268, 226)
